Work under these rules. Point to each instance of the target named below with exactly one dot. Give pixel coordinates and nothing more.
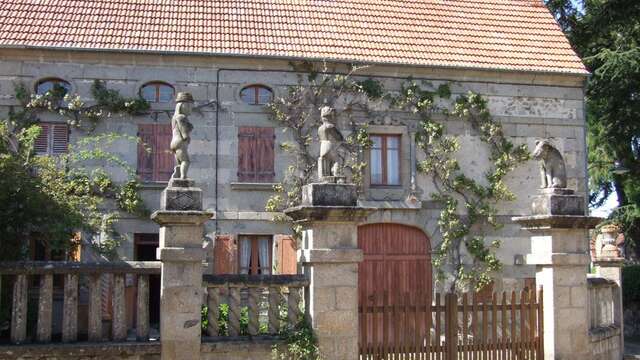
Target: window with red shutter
(53, 139)
(155, 161)
(256, 154)
(224, 255)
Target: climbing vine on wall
(463, 257)
(298, 113)
(85, 191)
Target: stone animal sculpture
(330, 162)
(181, 134)
(553, 173)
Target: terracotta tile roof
(492, 34)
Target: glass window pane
(376, 166)
(264, 95)
(248, 95)
(393, 142)
(166, 94)
(149, 93)
(393, 167)
(377, 141)
(48, 85)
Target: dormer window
(52, 84)
(157, 92)
(256, 95)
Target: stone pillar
(329, 256)
(559, 249)
(608, 265)
(181, 222)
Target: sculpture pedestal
(559, 249)
(330, 257)
(181, 222)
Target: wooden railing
(37, 278)
(508, 326)
(240, 305)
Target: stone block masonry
(181, 221)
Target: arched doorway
(395, 274)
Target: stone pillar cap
(305, 213)
(182, 217)
(545, 222)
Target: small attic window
(51, 84)
(157, 92)
(256, 95)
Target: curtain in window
(245, 255)
(376, 160)
(263, 251)
(393, 161)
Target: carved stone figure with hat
(181, 134)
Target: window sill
(153, 185)
(252, 186)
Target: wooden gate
(396, 262)
(506, 327)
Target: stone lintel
(545, 222)
(177, 254)
(558, 259)
(181, 217)
(305, 213)
(604, 261)
(330, 256)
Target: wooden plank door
(397, 263)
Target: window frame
(255, 251)
(55, 81)
(256, 88)
(384, 160)
(157, 84)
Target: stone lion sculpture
(553, 173)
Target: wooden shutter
(265, 139)
(225, 255)
(163, 158)
(59, 138)
(156, 164)
(286, 254)
(255, 154)
(145, 158)
(41, 145)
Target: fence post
(329, 217)
(181, 222)
(559, 248)
(608, 263)
(451, 334)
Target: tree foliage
(51, 198)
(605, 33)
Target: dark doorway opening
(145, 250)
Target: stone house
(236, 56)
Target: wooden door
(397, 264)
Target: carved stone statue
(552, 168)
(181, 134)
(331, 161)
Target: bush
(631, 284)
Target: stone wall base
(242, 349)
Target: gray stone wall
(530, 106)
(255, 349)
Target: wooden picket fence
(452, 327)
